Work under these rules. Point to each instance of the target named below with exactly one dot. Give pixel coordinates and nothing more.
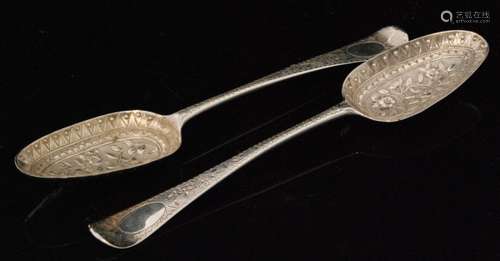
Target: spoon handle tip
(131, 226)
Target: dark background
(427, 188)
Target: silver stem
(131, 226)
(359, 51)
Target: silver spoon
(392, 86)
(127, 139)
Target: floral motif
(119, 154)
(383, 101)
(414, 87)
(432, 71)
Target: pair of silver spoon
(393, 85)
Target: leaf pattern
(412, 88)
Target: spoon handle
(359, 51)
(131, 226)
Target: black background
(427, 188)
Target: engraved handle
(359, 51)
(131, 226)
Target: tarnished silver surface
(127, 139)
(392, 86)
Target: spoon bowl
(103, 144)
(412, 77)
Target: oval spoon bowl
(410, 78)
(103, 144)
